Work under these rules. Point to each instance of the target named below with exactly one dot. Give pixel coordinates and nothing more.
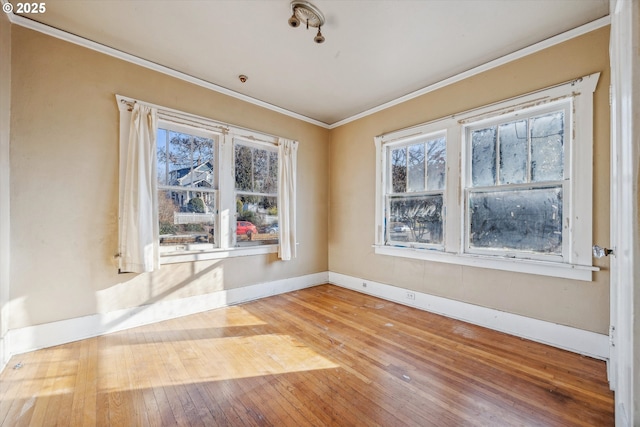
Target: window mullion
(498, 156)
(529, 166)
(426, 163)
(406, 173)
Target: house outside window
(507, 186)
(187, 188)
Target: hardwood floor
(323, 356)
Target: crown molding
(72, 38)
(552, 41)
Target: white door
(625, 236)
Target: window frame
(389, 193)
(246, 142)
(576, 262)
(563, 105)
(225, 223)
(215, 136)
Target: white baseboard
(565, 337)
(31, 338)
(55, 333)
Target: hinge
(612, 341)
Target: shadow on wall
(126, 303)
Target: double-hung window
(414, 199)
(217, 187)
(506, 186)
(516, 181)
(256, 193)
(187, 187)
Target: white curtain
(287, 164)
(139, 249)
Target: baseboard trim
(55, 333)
(565, 337)
(18, 341)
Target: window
(415, 193)
(217, 189)
(506, 186)
(187, 188)
(256, 191)
(515, 185)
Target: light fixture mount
(303, 12)
(307, 14)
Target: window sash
(575, 98)
(416, 224)
(562, 220)
(250, 193)
(496, 121)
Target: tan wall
(580, 304)
(64, 189)
(5, 118)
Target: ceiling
(375, 51)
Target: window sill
(543, 268)
(190, 256)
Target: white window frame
(423, 136)
(576, 262)
(216, 137)
(563, 105)
(225, 224)
(238, 140)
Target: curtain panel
(287, 165)
(139, 249)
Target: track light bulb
(319, 38)
(294, 21)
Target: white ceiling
(375, 51)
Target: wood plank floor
(323, 356)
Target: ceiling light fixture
(303, 12)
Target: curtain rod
(199, 120)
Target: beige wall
(580, 304)
(5, 115)
(64, 142)
(64, 188)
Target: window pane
(184, 160)
(399, 170)
(416, 167)
(244, 168)
(202, 162)
(547, 147)
(186, 216)
(436, 163)
(513, 152)
(416, 219)
(260, 170)
(162, 141)
(483, 157)
(272, 181)
(257, 220)
(521, 220)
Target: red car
(246, 228)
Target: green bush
(193, 227)
(196, 205)
(167, 228)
